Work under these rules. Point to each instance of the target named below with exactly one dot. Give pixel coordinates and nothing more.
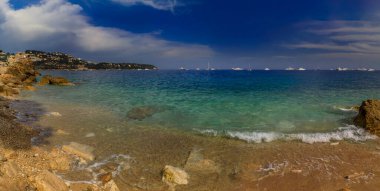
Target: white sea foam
(345, 109)
(349, 132)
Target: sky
(170, 34)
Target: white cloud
(60, 26)
(157, 4)
(342, 37)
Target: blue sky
(272, 33)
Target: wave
(349, 132)
(345, 109)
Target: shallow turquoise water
(252, 105)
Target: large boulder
(369, 116)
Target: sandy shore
(212, 163)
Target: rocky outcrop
(369, 116)
(60, 81)
(16, 75)
(174, 176)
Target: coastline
(225, 164)
(46, 147)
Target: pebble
(88, 135)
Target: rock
(61, 163)
(80, 150)
(84, 187)
(174, 176)
(111, 186)
(30, 88)
(54, 114)
(296, 171)
(105, 177)
(44, 80)
(62, 132)
(140, 113)
(345, 189)
(88, 135)
(369, 116)
(2, 158)
(354, 176)
(334, 144)
(47, 181)
(30, 80)
(196, 162)
(61, 81)
(11, 169)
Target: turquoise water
(251, 105)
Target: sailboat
(249, 68)
(208, 67)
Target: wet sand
(221, 163)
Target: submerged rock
(140, 113)
(80, 150)
(369, 116)
(174, 176)
(196, 162)
(47, 181)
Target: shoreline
(46, 153)
(230, 164)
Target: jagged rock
(369, 116)
(47, 181)
(174, 176)
(80, 150)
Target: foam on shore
(349, 132)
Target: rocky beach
(42, 149)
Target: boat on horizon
(342, 69)
(237, 69)
(301, 69)
(289, 68)
(266, 69)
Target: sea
(253, 106)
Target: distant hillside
(58, 60)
